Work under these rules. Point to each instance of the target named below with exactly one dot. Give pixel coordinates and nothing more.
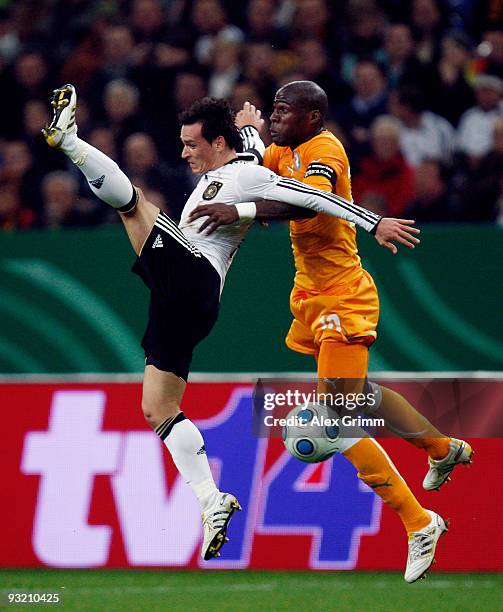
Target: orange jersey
(324, 247)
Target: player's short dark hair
(217, 119)
(308, 96)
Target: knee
(149, 414)
(155, 414)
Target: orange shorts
(346, 314)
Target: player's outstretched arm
(267, 191)
(386, 231)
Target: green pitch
(173, 591)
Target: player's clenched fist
(249, 115)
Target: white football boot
(422, 545)
(215, 521)
(440, 469)
(64, 104)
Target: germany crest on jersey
(211, 191)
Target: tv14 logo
(162, 527)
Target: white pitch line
(133, 590)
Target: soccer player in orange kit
(335, 306)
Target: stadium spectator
(483, 186)
(19, 175)
(189, 85)
(423, 135)
(398, 61)
(432, 201)
(62, 206)
(121, 103)
(226, 68)
(12, 213)
(368, 102)
(25, 79)
(261, 23)
(35, 117)
(10, 43)
(429, 20)
(118, 48)
(491, 53)
(260, 69)
(445, 84)
(366, 25)
(313, 19)
(211, 24)
(118, 58)
(385, 181)
(315, 65)
(475, 131)
(148, 23)
(85, 41)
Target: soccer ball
(311, 433)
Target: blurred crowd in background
(415, 90)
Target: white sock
(105, 178)
(186, 445)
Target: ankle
(205, 491)
(438, 448)
(417, 522)
(74, 148)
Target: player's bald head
(304, 96)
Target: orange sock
(437, 448)
(377, 471)
(340, 360)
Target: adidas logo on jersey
(97, 183)
(157, 242)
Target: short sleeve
(325, 162)
(271, 158)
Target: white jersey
(242, 181)
(220, 186)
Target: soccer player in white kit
(185, 269)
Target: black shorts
(184, 297)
